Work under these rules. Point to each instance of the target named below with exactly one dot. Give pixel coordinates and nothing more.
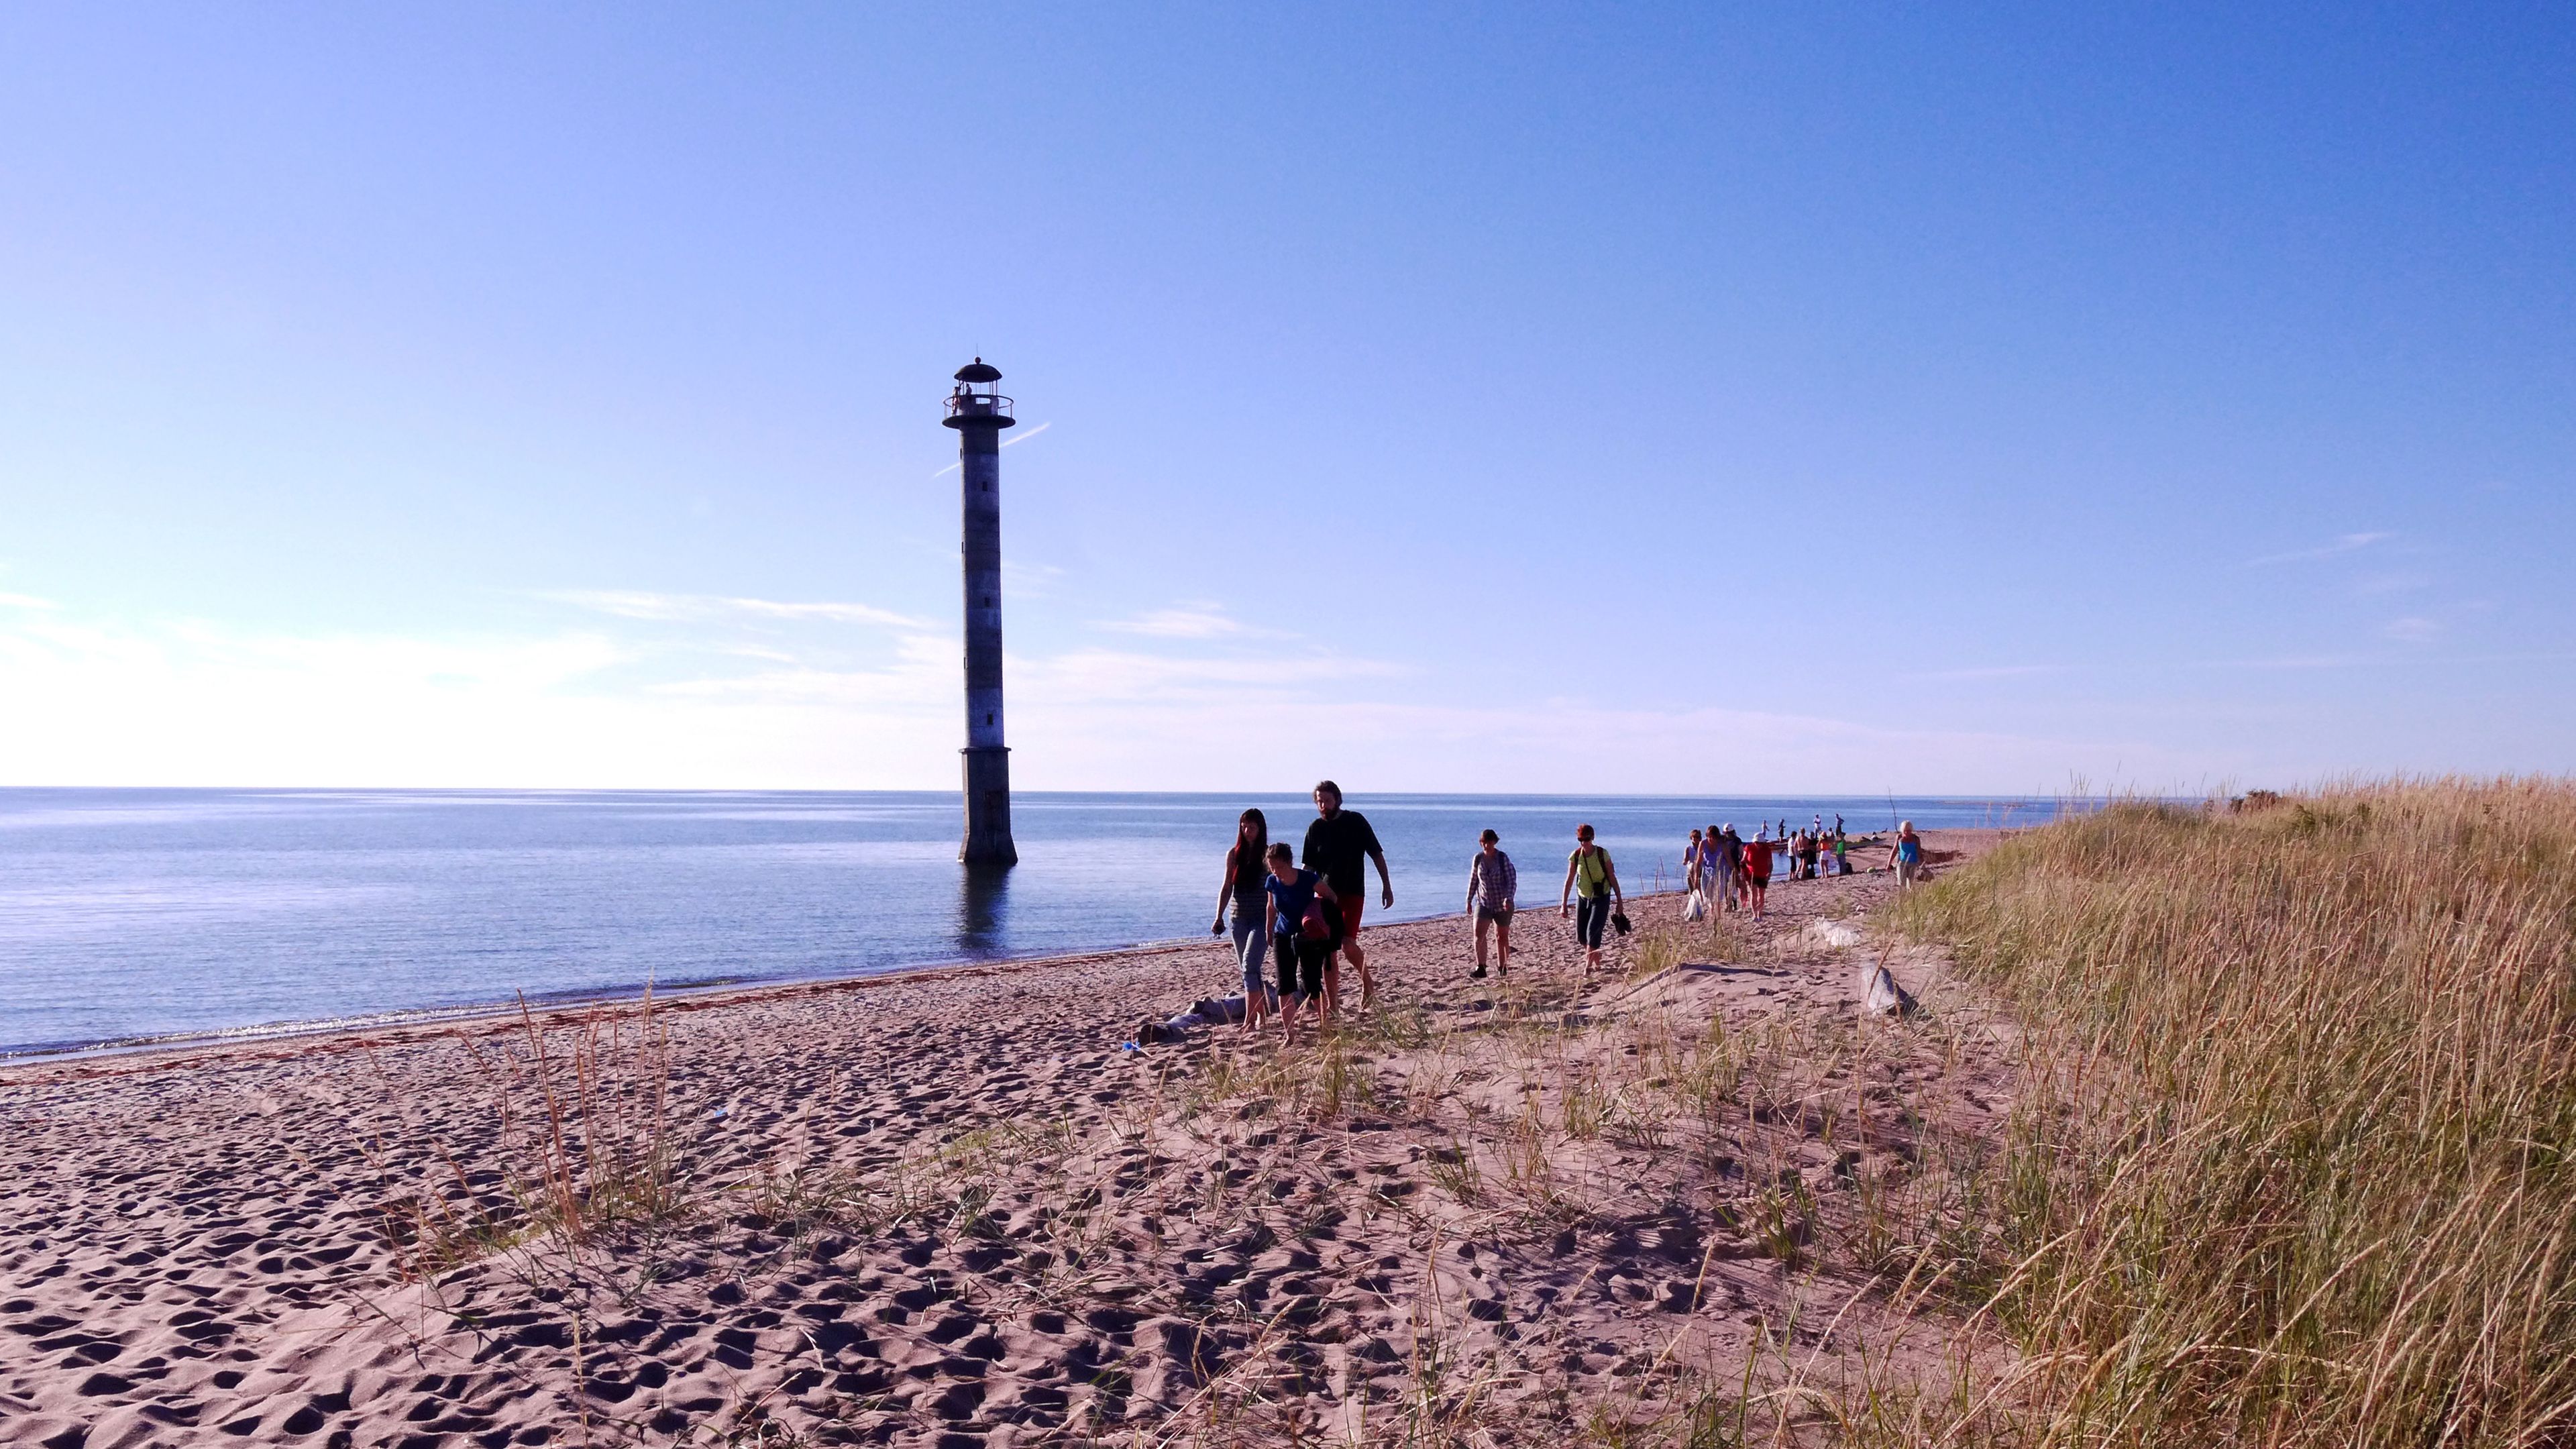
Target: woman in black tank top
(1245, 869)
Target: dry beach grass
(2293, 1160)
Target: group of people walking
(1296, 913)
(1304, 918)
(1730, 873)
(1591, 898)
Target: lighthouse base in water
(988, 807)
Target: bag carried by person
(1695, 908)
(1315, 925)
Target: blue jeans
(1251, 949)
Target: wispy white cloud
(1008, 439)
(2343, 544)
(1244, 741)
(1028, 580)
(1189, 621)
(694, 608)
(2413, 629)
(1112, 675)
(26, 601)
(202, 703)
(1990, 671)
(2293, 662)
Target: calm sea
(131, 916)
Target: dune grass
(579, 1141)
(2293, 1164)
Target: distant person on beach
(1492, 886)
(1757, 868)
(1304, 925)
(1906, 855)
(1594, 883)
(1340, 844)
(1730, 867)
(1842, 859)
(1247, 866)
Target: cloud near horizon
(696, 608)
(192, 702)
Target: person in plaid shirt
(1491, 885)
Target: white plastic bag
(1695, 908)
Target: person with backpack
(1247, 865)
(1304, 924)
(1593, 882)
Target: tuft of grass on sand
(580, 1142)
(2295, 1160)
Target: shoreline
(314, 950)
(402, 1022)
(484, 1017)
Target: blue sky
(1472, 398)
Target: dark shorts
(1591, 915)
(1301, 964)
(1493, 913)
(1758, 879)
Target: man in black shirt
(1341, 845)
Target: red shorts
(1351, 905)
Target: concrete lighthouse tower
(979, 414)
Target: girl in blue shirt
(1306, 969)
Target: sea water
(134, 916)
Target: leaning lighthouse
(979, 414)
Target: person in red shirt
(1757, 867)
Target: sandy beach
(952, 1208)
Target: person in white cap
(1906, 855)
